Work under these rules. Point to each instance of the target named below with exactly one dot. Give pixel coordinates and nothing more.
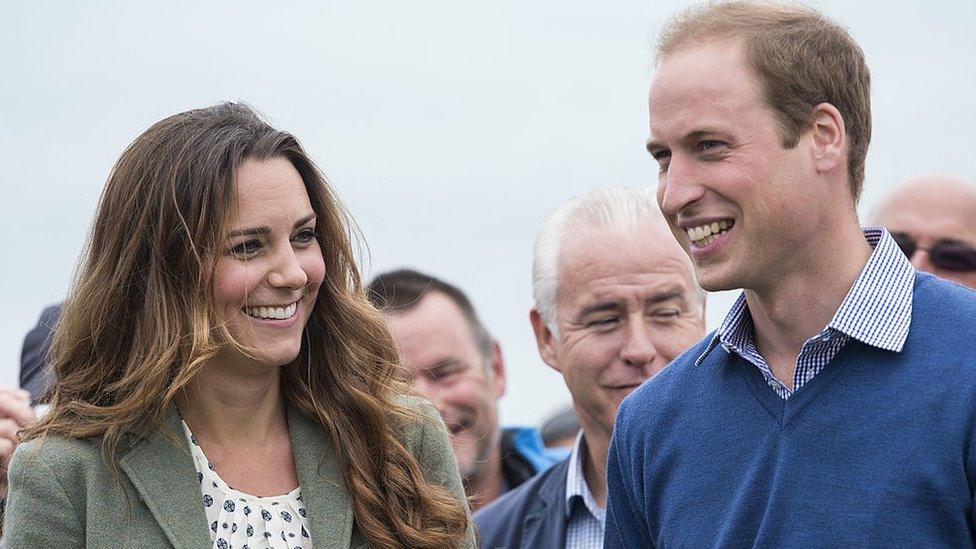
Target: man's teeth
(703, 235)
(278, 313)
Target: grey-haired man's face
(626, 306)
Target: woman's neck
(227, 407)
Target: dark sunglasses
(950, 255)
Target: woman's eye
(305, 235)
(246, 248)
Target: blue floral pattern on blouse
(242, 521)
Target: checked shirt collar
(877, 311)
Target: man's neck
(489, 483)
(594, 459)
(801, 303)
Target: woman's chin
(278, 358)
(262, 357)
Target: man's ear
(829, 139)
(497, 369)
(543, 339)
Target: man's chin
(472, 456)
(713, 279)
(469, 468)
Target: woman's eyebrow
(305, 220)
(254, 231)
(249, 232)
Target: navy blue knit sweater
(878, 450)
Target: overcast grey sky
(450, 129)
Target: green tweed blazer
(62, 495)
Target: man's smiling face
(627, 305)
(741, 204)
(441, 358)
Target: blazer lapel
(544, 525)
(165, 477)
(327, 502)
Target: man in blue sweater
(836, 404)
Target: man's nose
(679, 186)
(921, 261)
(638, 348)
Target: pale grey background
(449, 128)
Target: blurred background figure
(615, 301)
(34, 376)
(560, 429)
(15, 414)
(16, 411)
(933, 220)
(17, 406)
(451, 358)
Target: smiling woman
(219, 367)
(267, 279)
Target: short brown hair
(402, 289)
(801, 59)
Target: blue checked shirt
(585, 518)
(877, 311)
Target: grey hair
(621, 209)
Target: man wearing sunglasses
(933, 220)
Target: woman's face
(269, 271)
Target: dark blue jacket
(532, 516)
(34, 377)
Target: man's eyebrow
(654, 146)
(601, 307)
(665, 295)
(604, 306)
(692, 136)
(441, 364)
(255, 231)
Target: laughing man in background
(451, 358)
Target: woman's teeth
(277, 313)
(703, 235)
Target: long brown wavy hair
(140, 322)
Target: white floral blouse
(242, 521)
